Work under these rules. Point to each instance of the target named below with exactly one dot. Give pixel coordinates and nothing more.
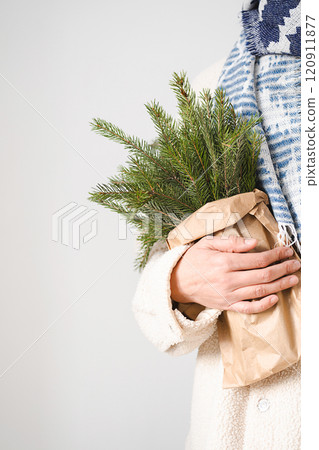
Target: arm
(156, 313)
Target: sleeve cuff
(164, 326)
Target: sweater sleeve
(165, 326)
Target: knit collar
(272, 26)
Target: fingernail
(289, 252)
(274, 299)
(293, 279)
(296, 264)
(250, 241)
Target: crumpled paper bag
(253, 346)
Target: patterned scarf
(272, 26)
(262, 76)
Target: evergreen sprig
(209, 153)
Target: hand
(219, 273)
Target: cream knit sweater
(263, 416)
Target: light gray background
(83, 376)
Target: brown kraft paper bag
(253, 346)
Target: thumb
(232, 244)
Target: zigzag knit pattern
(272, 26)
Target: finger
(229, 244)
(255, 307)
(260, 276)
(262, 290)
(260, 259)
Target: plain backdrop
(76, 373)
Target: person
(261, 74)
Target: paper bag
(253, 346)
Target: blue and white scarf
(262, 76)
(272, 26)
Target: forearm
(168, 328)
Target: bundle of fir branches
(208, 153)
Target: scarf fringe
(287, 236)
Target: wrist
(178, 291)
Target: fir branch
(166, 126)
(209, 153)
(186, 98)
